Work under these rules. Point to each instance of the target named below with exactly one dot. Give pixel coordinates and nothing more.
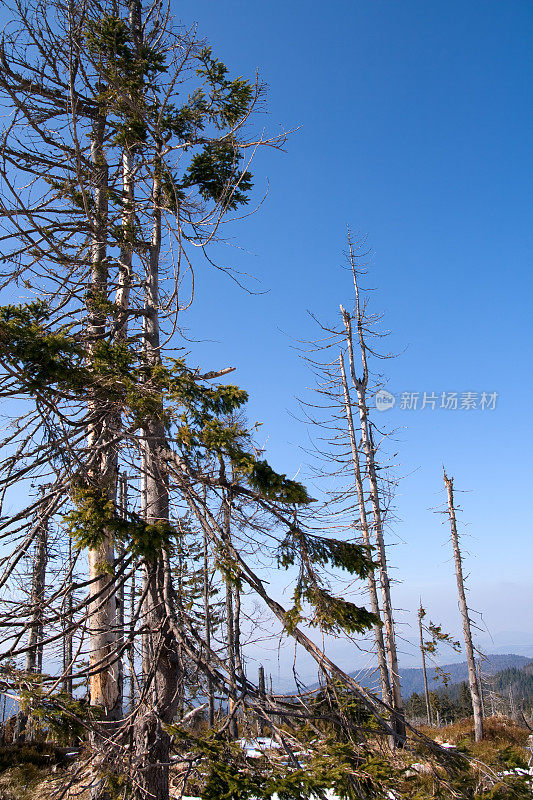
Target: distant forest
(508, 692)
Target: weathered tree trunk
(120, 593)
(365, 531)
(68, 636)
(463, 606)
(239, 665)
(151, 741)
(131, 645)
(230, 645)
(103, 678)
(230, 627)
(424, 670)
(103, 684)
(480, 684)
(262, 698)
(207, 632)
(369, 450)
(34, 654)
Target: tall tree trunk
(365, 531)
(151, 741)
(131, 645)
(480, 684)
(103, 676)
(103, 685)
(371, 470)
(230, 645)
(262, 698)
(424, 670)
(230, 621)
(207, 632)
(34, 654)
(68, 620)
(463, 606)
(239, 665)
(120, 593)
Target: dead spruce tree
(473, 681)
(365, 529)
(349, 434)
(360, 383)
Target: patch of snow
(417, 767)
(516, 771)
(328, 793)
(267, 741)
(252, 753)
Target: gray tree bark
(103, 684)
(34, 656)
(365, 531)
(161, 678)
(463, 606)
(360, 385)
(68, 637)
(207, 632)
(230, 629)
(424, 670)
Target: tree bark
(230, 623)
(365, 531)
(103, 685)
(68, 636)
(424, 670)
(463, 606)
(151, 741)
(120, 593)
(262, 699)
(369, 450)
(34, 656)
(207, 632)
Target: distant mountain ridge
(412, 679)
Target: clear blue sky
(415, 127)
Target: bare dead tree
(68, 622)
(365, 528)
(465, 614)
(208, 629)
(34, 655)
(34, 652)
(421, 614)
(360, 383)
(351, 449)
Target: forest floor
(36, 772)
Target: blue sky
(415, 127)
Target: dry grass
(30, 771)
(499, 732)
